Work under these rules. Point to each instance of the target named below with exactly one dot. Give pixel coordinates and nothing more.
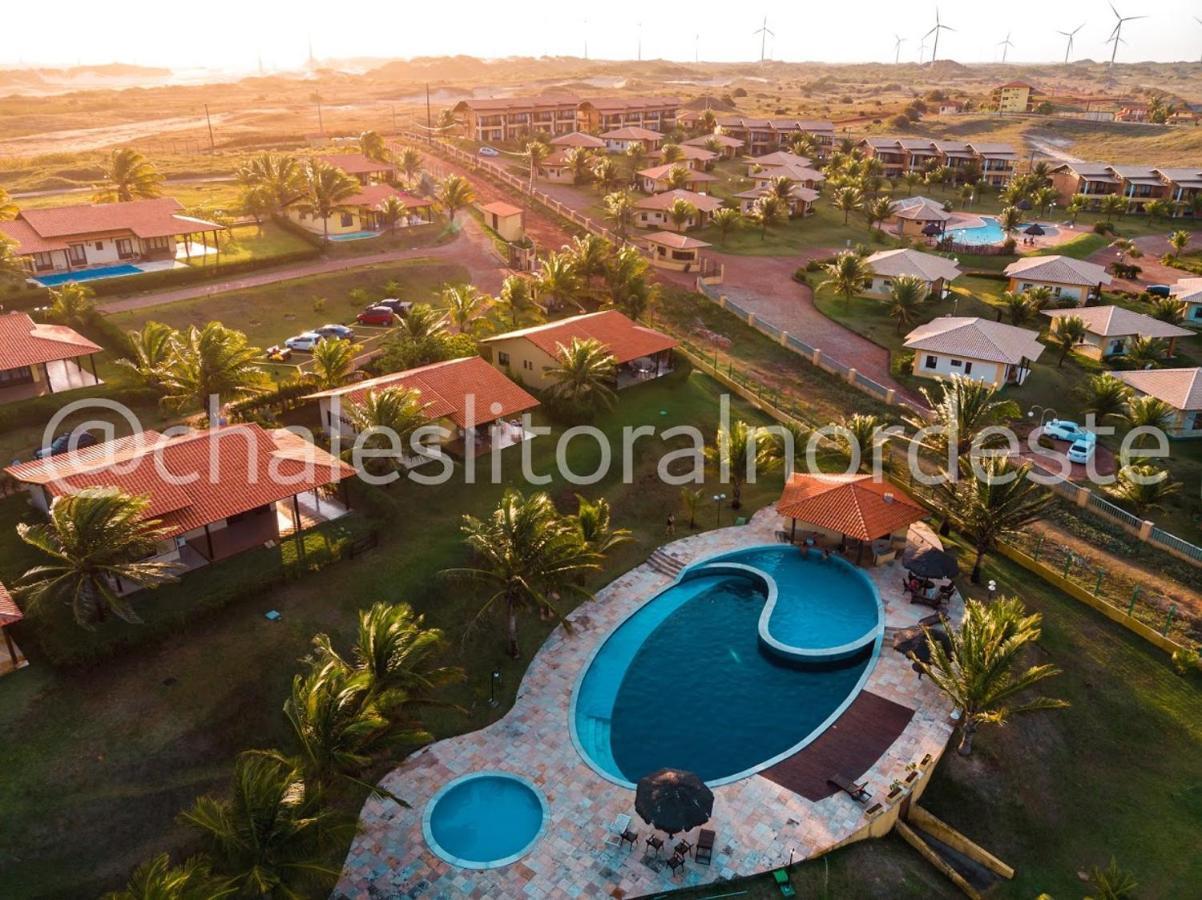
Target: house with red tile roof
(693, 157)
(216, 492)
(362, 214)
(37, 359)
(723, 144)
(1110, 329)
(71, 239)
(556, 167)
(678, 252)
(652, 212)
(528, 354)
(468, 397)
(655, 179)
(364, 168)
(11, 657)
(619, 140)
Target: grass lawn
(251, 242)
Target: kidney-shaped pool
(747, 657)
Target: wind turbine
(897, 49)
(1005, 45)
(1116, 36)
(696, 48)
(1070, 34)
(1199, 21)
(939, 26)
(763, 31)
(640, 41)
(922, 49)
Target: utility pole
(321, 126)
(394, 118)
(212, 144)
(640, 56)
(429, 121)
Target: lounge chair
(676, 864)
(782, 881)
(705, 846)
(857, 792)
(615, 831)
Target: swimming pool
(711, 676)
(484, 820)
(990, 232)
(355, 235)
(87, 275)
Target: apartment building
(608, 113)
(512, 118)
(1089, 179)
(1014, 97)
(761, 136)
(995, 163)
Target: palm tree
(159, 880)
(148, 352)
(1075, 207)
(1159, 209)
(846, 274)
(275, 181)
(781, 186)
(589, 253)
(680, 213)
(257, 203)
(1169, 309)
(768, 210)
(72, 304)
(980, 673)
(582, 376)
(912, 180)
(464, 305)
(422, 323)
(594, 522)
(1066, 333)
(741, 451)
(536, 152)
(964, 408)
(906, 297)
(998, 500)
(580, 162)
(372, 146)
(1044, 198)
(1142, 487)
(878, 210)
(1018, 306)
(1112, 883)
(392, 210)
(8, 209)
(619, 209)
(97, 541)
(399, 654)
(636, 152)
(847, 199)
(386, 420)
(273, 833)
(1146, 352)
(606, 173)
(558, 279)
(1009, 219)
(211, 363)
(725, 220)
(1040, 297)
(858, 437)
(679, 177)
(671, 153)
(409, 161)
(1113, 205)
(628, 283)
(691, 498)
(1177, 240)
(11, 265)
(515, 303)
(333, 363)
(454, 193)
(326, 189)
(128, 175)
(526, 555)
(1104, 396)
(1126, 248)
(1147, 413)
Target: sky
(233, 34)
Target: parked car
(62, 444)
(1158, 290)
(1082, 451)
(304, 342)
(276, 353)
(400, 307)
(376, 315)
(1064, 430)
(333, 331)
(489, 151)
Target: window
(77, 254)
(347, 220)
(156, 243)
(100, 245)
(527, 364)
(1056, 291)
(932, 362)
(125, 248)
(43, 261)
(502, 358)
(968, 368)
(956, 364)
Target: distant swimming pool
(355, 235)
(484, 820)
(696, 679)
(990, 232)
(87, 275)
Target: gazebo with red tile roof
(10, 614)
(854, 506)
(29, 349)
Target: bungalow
(504, 218)
(652, 212)
(801, 200)
(997, 162)
(466, 396)
(365, 169)
(1089, 180)
(1179, 388)
(578, 139)
(361, 213)
(727, 146)
(1069, 279)
(1189, 292)
(556, 167)
(909, 216)
(934, 271)
(609, 113)
(655, 180)
(38, 359)
(1109, 329)
(639, 352)
(60, 240)
(801, 176)
(619, 140)
(777, 158)
(976, 348)
(217, 492)
(693, 157)
(511, 118)
(675, 251)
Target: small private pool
(745, 659)
(355, 235)
(484, 820)
(990, 232)
(87, 275)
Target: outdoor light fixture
(493, 683)
(718, 498)
(992, 588)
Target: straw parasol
(930, 562)
(1034, 229)
(673, 800)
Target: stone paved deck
(761, 825)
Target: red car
(376, 315)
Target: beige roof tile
(1180, 388)
(975, 338)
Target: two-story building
(596, 114)
(761, 136)
(997, 162)
(1086, 179)
(1014, 97)
(512, 118)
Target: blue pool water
(990, 233)
(355, 235)
(87, 275)
(688, 682)
(484, 820)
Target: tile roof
(1058, 270)
(1090, 171)
(778, 158)
(854, 505)
(626, 104)
(724, 139)
(687, 151)
(920, 209)
(578, 139)
(624, 339)
(24, 342)
(791, 171)
(1003, 150)
(1188, 290)
(797, 192)
(10, 613)
(633, 133)
(703, 202)
(953, 148)
(41, 230)
(502, 104)
(926, 266)
(501, 208)
(1116, 321)
(658, 172)
(446, 389)
(975, 338)
(675, 241)
(195, 478)
(375, 194)
(1180, 388)
(356, 163)
(1182, 177)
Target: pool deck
(760, 824)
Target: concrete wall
(981, 370)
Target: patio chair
(683, 848)
(630, 837)
(614, 832)
(781, 877)
(656, 843)
(857, 792)
(945, 592)
(705, 846)
(676, 864)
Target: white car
(489, 151)
(1064, 430)
(1082, 451)
(304, 342)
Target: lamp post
(718, 498)
(1044, 410)
(992, 589)
(493, 683)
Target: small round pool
(484, 820)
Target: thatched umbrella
(1034, 229)
(931, 229)
(930, 562)
(673, 801)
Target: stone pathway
(760, 825)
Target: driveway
(1152, 270)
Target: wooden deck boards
(850, 747)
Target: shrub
(903, 363)
(799, 275)
(1103, 228)
(1009, 244)
(901, 120)
(814, 265)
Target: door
(77, 255)
(125, 248)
